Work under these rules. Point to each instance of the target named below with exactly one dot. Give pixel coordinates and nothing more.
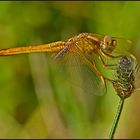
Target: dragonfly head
(108, 44)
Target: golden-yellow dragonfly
(83, 45)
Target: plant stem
(116, 118)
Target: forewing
(78, 73)
(123, 45)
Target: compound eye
(114, 43)
(107, 40)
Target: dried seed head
(125, 77)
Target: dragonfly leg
(109, 66)
(118, 56)
(109, 55)
(137, 68)
(136, 63)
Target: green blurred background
(34, 102)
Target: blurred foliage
(35, 101)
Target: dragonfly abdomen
(51, 47)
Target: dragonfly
(83, 45)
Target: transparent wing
(79, 74)
(123, 45)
